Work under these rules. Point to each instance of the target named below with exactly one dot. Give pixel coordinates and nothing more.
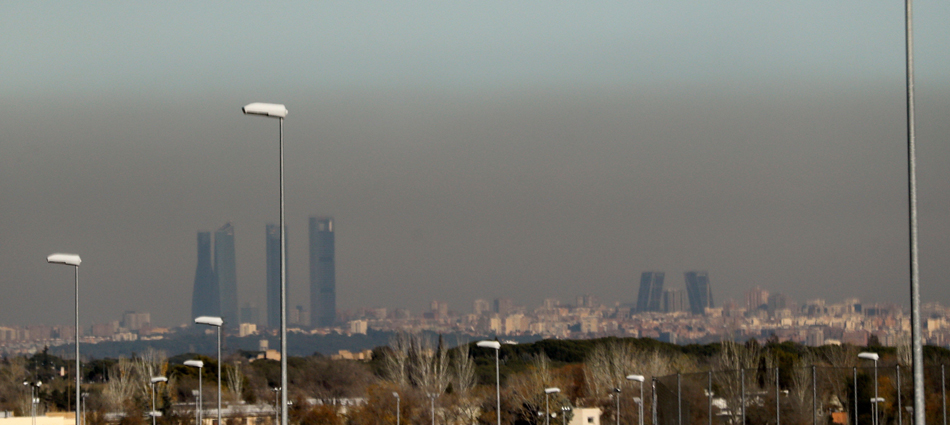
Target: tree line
(454, 382)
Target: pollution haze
(523, 150)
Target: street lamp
(564, 411)
(497, 346)
(155, 380)
(71, 260)
(198, 404)
(276, 404)
(84, 395)
(640, 379)
(547, 391)
(217, 322)
(872, 356)
(395, 394)
(273, 110)
(34, 388)
(617, 391)
(432, 397)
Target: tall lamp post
(273, 110)
(640, 379)
(34, 388)
(155, 380)
(71, 260)
(198, 404)
(217, 322)
(564, 411)
(395, 394)
(547, 414)
(276, 404)
(617, 394)
(497, 346)
(874, 401)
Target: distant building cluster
(215, 286)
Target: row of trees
(457, 385)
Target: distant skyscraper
(225, 269)
(204, 296)
(651, 292)
(699, 291)
(272, 233)
(322, 272)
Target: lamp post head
(638, 378)
(210, 321)
(489, 344)
(195, 363)
(552, 390)
(157, 379)
(65, 259)
(265, 109)
(868, 356)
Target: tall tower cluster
(215, 290)
(652, 297)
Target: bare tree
(526, 389)
(120, 388)
(735, 361)
(235, 382)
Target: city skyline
(470, 150)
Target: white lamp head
(395, 394)
(66, 259)
(157, 379)
(209, 320)
(265, 109)
(638, 378)
(489, 344)
(195, 363)
(552, 390)
(869, 356)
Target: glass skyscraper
(322, 272)
(204, 296)
(651, 292)
(225, 269)
(699, 291)
(272, 248)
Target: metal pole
(709, 394)
(78, 371)
(283, 289)
(397, 410)
(874, 405)
(742, 395)
(943, 392)
(153, 404)
(618, 405)
(900, 408)
(653, 402)
(679, 400)
(276, 405)
(219, 375)
(854, 370)
(814, 396)
(777, 416)
(547, 416)
(498, 385)
(198, 403)
(919, 413)
(641, 403)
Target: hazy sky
(469, 149)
